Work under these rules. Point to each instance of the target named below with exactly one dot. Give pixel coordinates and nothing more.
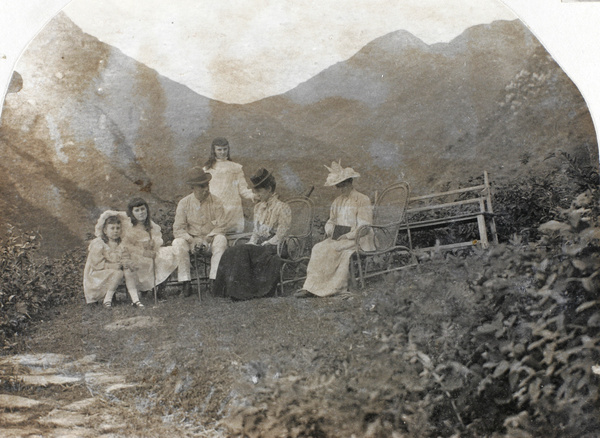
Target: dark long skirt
(248, 271)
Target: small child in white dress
(108, 262)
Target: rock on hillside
(91, 127)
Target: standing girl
(228, 184)
(108, 262)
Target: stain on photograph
(297, 220)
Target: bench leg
(483, 238)
(493, 229)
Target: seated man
(199, 223)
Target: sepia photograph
(296, 219)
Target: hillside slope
(91, 127)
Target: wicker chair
(295, 248)
(389, 214)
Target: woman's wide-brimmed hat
(197, 176)
(261, 176)
(337, 174)
(125, 221)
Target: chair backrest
(300, 233)
(302, 216)
(390, 205)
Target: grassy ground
(501, 342)
(277, 366)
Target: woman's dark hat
(197, 176)
(260, 177)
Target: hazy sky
(239, 51)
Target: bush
(29, 285)
(164, 216)
(522, 205)
(540, 346)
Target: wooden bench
(474, 205)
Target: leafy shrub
(29, 285)
(541, 344)
(582, 172)
(164, 215)
(519, 356)
(522, 205)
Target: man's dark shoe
(186, 290)
(303, 293)
(161, 293)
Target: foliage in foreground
(30, 285)
(514, 354)
(523, 205)
(539, 351)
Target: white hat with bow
(337, 174)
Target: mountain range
(90, 128)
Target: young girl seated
(152, 262)
(108, 262)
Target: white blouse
(352, 211)
(272, 220)
(228, 184)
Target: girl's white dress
(98, 279)
(166, 260)
(229, 185)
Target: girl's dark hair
(219, 141)
(138, 202)
(108, 221)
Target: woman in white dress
(327, 271)
(152, 262)
(228, 183)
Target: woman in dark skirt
(252, 270)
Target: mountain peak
(92, 128)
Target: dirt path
(270, 367)
(63, 397)
(177, 366)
